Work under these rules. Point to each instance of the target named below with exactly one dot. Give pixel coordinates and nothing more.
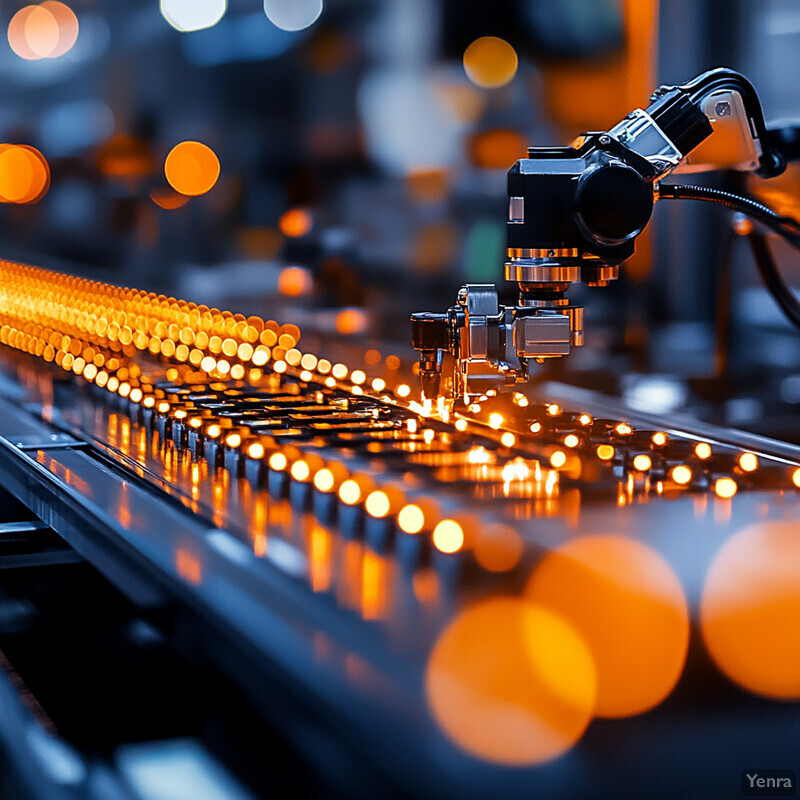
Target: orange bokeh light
(192, 168)
(490, 62)
(750, 608)
(448, 536)
(295, 281)
(350, 321)
(295, 222)
(627, 604)
(48, 30)
(24, 174)
(511, 683)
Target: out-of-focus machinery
(574, 215)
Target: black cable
(787, 227)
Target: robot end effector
(574, 215)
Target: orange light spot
(490, 62)
(191, 168)
(748, 462)
(448, 536)
(629, 607)
(702, 450)
(796, 477)
(725, 488)
(681, 474)
(403, 390)
(308, 361)
(495, 420)
(295, 281)
(324, 480)
(585, 419)
(571, 440)
(511, 683)
(411, 519)
(300, 471)
(623, 429)
(350, 321)
(233, 440)
(24, 174)
(377, 504)
(659, 438)
(278, 462)
(558, 459)
(750, 607)
(213, 431)
(508, 439)
(295, 222)
(256, 450)
(642, 462)
(261, 355)
(350, 492)
(605, 452)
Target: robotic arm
(574, 215)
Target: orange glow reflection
(751, 606)
(628, 605)
(511, 683)
(188, 566)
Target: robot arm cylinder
(574, 215)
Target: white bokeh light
(193, 15)
(293, 15)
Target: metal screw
(722, 109)
(604, 139)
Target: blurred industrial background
(363, 148)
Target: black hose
(787, 227)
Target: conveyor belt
(322, 528)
